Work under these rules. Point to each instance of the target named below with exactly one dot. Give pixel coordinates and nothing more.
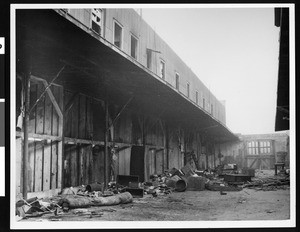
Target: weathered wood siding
(44, 157)
(84, 120)
(133, 24)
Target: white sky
(234, 52)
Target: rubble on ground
(269, 183)
(126, 187)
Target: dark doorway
(137, 162)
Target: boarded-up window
(96, 20)
(117, 35)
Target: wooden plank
(85, 167)
(82, 117)
(47, 167)
(127, 160)
(32, 116)
(48, 116)
(254, 161)
(82, 141)
(88, 122)
(53, 100)
(81, 164)
(124, 161)
(54, 165)
(90, 165)
(31, 154)
(39, 136)
(68, 117)
(44, 194)
(128, 127)
(55, 118)
(38, 174)
(60, 145)
(18, 170)
(159, 162)
(98, 120)
(67, 167)
(75, 117)
(40, 111)
(73, 157)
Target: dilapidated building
(99, 93)
(257, 151)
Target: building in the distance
(257, 151)
(99, 93)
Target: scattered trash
(241, 201)
(270, 211)
(269, 183)
(221, 186)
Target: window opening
(177, 81)
(117, 35)
(162, 69)
(134, 45)
(96, 20)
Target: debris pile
(70, 198)
(269, 183)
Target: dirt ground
(247, 204)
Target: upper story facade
(129, 33)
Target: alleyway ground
(248, 204)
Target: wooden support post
(61, 145)
(26, 86)
(167, 145)
(214, 154)
(106, 155)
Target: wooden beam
(69, 140)
(70, 103)
(120, 112)
(106, 154)
(47, 87)
(39, 136)
(50, 94)
(253, 163)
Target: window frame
(197, 97)
(253, 147)
(160, 71)
(137, 45)
(265, 147)
(149, 58)
(122, 33)
(177, 78)
(101, 21)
